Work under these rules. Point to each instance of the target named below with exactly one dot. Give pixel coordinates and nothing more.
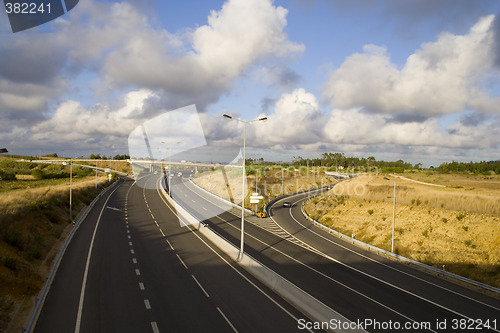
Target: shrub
(38, 174)
(34, 254)
(371, 211)
(444, 219)
(10, 263)
(15, 239)
(341, 199)
(461, 216)
(4, 175)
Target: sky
(411, 80)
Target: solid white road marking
(85, 274)
(227, 262)
(383, 264)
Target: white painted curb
(301, 300)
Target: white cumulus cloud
(443, 77)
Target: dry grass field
(457, 225)
(33, 222)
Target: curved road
(380, 294)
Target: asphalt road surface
(131, 267)
(379, 294)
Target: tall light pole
(96, 174)
(245, 122)
(70, 187)
(168, 163)
(393, 212)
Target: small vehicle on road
(287, 204)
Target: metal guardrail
(301, 300)
(398, 257)
(271, 202)
(40, 299)
(221, 198)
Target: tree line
(338, 161)
(104, 157)
(483, 167)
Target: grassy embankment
(270, 182)
(34, 219)
(456, 226)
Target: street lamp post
(393, 212)
(70, 187)
(168, 163)
(240, 254)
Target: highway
(131, 267)
(381, 294)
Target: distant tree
(121, 157)
(94, 157)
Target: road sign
(252, 201)
(256, 197)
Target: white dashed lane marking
(199, 285)
(154, 326)
(182, 262)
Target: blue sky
(411, 80)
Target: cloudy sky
(412, 80)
